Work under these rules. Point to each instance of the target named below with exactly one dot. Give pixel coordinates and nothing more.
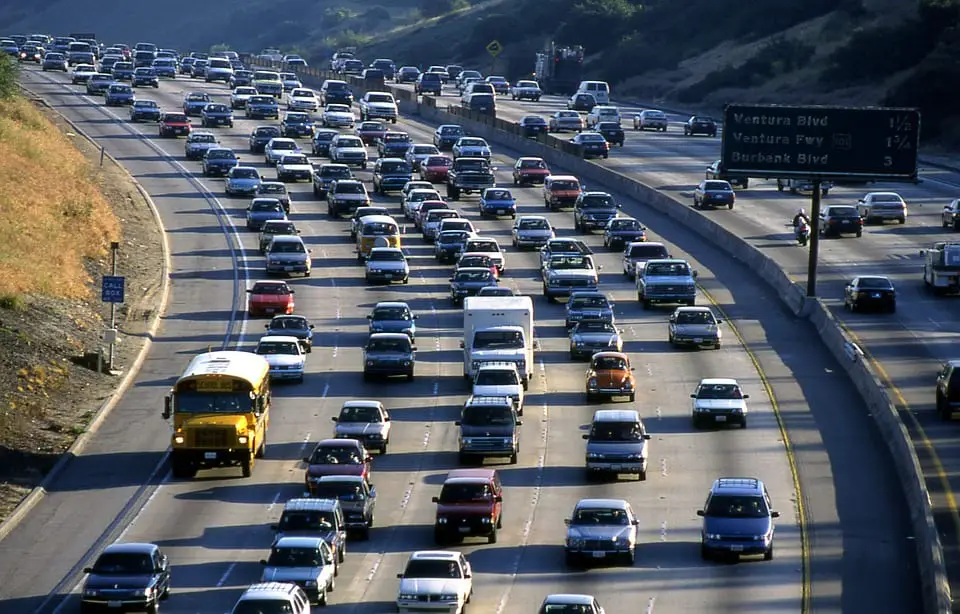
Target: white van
(599, 89)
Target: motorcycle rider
(801, 227)
(801, 216)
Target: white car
(240, 96)
(489, 247)
(410, 205)
(285, 356)
(378, 105)
(302, 99)
(439, 579)
(499, 379)
(719, 401)
(603, 113)
(366, 421)
(571, 602)
(407, 188)
(386, 265)
(338, 116)
(82, 73)
(278, 147)
(294, 167)
(526, 90)
(471, 147)
(348, 149)
(882, 206)
(419, 152)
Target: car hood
(277, 299)
(431, 586)
(598, 532)
(465, 509)
(259, 103)
(600, 211)
(697, 329)
(328, 536)
(297, 167)
(617, 448)
(591, 312)
(496, 391)
(361, 197)
(391, 326)
(572, 274)
(608, 338)
(533, 171)
(361, 428)
(736, 526)
(290, 574)
(611, 378)
(283, 360)
(318, 470)
(719, 404)
(488, 430)
(119, 581)
(473, 284)
(669, 280)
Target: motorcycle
(802, 233)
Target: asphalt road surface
(215, 528)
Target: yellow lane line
(805, 588)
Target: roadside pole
(112, 291)
(814, 240)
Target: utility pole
(114, 248)
(814, 240)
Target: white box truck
(498, 329)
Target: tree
(9, 71)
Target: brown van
(561, 191)
(470, 504)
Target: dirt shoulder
(52, 388)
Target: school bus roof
(243, 365)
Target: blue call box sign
(111, 291)
(824, 142)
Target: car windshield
(268, 348)
(719, 391)
(395, 167)
(292, 160)
(569, 114)
(648, 252)
(717, 186)
(194, 97)
(373, 127)
(674, 269)
(338, 108)
(392, 345)
(474, 165)
(496, 377)
(175, 117)
(564, 185)
(360, 413)
(472, 143)
(272, 188)
(473, 261)
(498, 195)
(295, 557)
(875, 283)
(451, 130)
(245, 173)
(567, 263)
(303, 94)
(610, 363)
(339, 172)
(336, 455)
(273, 289)
(695, 317)
(591, 326)
(533, 164)
(149, 104)
(616, 431)
(737, 506)
(380, 228)
(221, 154)
(255, 100)
(391, 313)
(600, 516)
(117, 563)
(342, 142)
(297, 324)
(283, 145)
(497, 340)
(297, 118)
(467, 276)
(581, 302)
(843, 212)
(266, 206)
(386, 256)
(380, 97)
(345, 491)
(449, 237)
(597, 200)
(287, 247)
(432, 568)
(533, 224)
(622, 224)
(465, 492)
(312, 520)
(267, 131)
(421, 195)
(483, 246)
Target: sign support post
(814, 240)
(114, 248)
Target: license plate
(210, 455)
(464, 529)
(500, 212)
(269, 310)
(599, 555)
(736, 548)
(114, 604)
(288, 268)
(698, 340)
(616, 468)
(388, 276)
(875, 295)
(720, 418)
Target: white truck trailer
(498, 329)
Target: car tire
(743, 423)
(705, 553)
(246, 467)
(768, 555)
(633, 397)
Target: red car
(268, 298)
(435, 168)
(530, 170)
(337, 457)
(370, 132)
(174, 125)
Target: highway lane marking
(805, 581)
(650, 603)
(226, 574)
(904, 408)
(326, 389)
(663, 467)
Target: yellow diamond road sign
(494, 48)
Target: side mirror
(416, 317)
(306, 459)
(400, 575)
(719, 321)
(435, 499)
(461, 345)
(274, 527)
(646, 437)
(309, 251)
(263, 562)
(519, 423)
(699, 512)
(746, 396)
(619, 206)
(249, 290)
(693, 396)
(585, 436)
(369, 317)
(456, 423)
(292, 291)
(635, 522)
(368, 459)
(373, 492)
(333, 418)
(468, 575)
(774, 514)
(413, 348)
(167, 407)
(566, 521)
(450, 279)
(311, 326)
(696, 274)
(88, 570)
(498, 499)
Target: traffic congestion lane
(808, 385)
(93, 492)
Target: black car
(146, 77)
(218, 161)
(612, 131)
(261, 135)
(126, 578)
(582, 102)
(837, 220)
(870, 292)
(468, 281)
(591, 145)
(447, 135)
(321, 141)
(241, 77)
(532, 125)
(699, 124)
(296, 124)
(293, 326)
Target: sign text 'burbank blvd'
(770, 141)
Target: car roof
(616, 415)
(302, 542)
(568, 598)
(695, 309)
(602, 503)
(279, 339)
(342, 478)
(611, 355)
(440, 555)
(391, 304)
(391, 336)
(737, 485)
(131, 548)
(563, 178)
(386, 249)
(362, 403)
(719, 381)
(501, 364)
(271, 282)
(534, 217)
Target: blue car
(262, 107)
(144, 110)
(194, 102)
(145, 77)
(216, 114)
(497, 202)
(297, 124)
(218, 161)
(118, 95)
(123, 71)
(165, 67)
(261, 210)
(393, 317)
(737, 520)
(242, 180)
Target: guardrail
(560, 152)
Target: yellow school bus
(221, 410)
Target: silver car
(719, 401)
(592, 336)
(637, 253)
(601, 530)
(305, 561)
(695, 327)
(366, 421)
(198, 143)
(357, 498)
(882, 206)
(565, 121)
(531, 231)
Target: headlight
(467, 441)
(242, 440)
(448, 597)
(575, 542)
(578, 343)
(635, 457)
(406, 363)
(485, 520)
(592, 382)
(407, 597)
(594, 456)
(627, 385)
(369, 363)
(310, 583)
(178, 439)
(712, 535)
(507, 440)
(622, 541)
(90, 592)
(442, 520)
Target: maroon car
(435, 168)
(370, 132)
(470, 504)
(530, 170)
(337, 457)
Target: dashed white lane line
(226, 574)
(326, 389)
(650, 603)
(663, 467)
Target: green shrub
(9, 71)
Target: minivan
(599, 89)
(485, 104)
